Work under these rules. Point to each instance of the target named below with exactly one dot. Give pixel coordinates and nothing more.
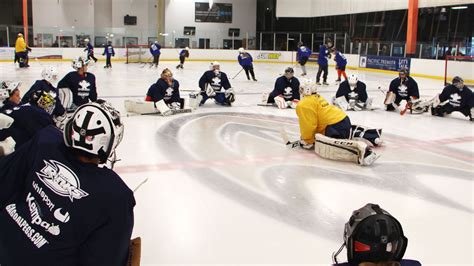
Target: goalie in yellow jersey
(328, 130)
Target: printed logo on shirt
(35, 211)
(61, 180)
(403, 90)
(36, 238)
(353, 95)
(169, 91)
(455, 100)
(216, 83)
(83, 91)
(288, 93)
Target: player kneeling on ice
(9, 95)
(25, 120)
(162, 97)
(286, 93)
(213, 84)
(455, 97)
(352, 95)
(402, 88)
(57, 205)
(328, 130)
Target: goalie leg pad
(5, 121)
(139, 107)
(368, 103)
(344, 150)
(66, 97)
(163, 108)
(280, 102)
(390, 98)
(342, 103)
(373, 135)
(195, 99)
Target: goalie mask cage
(450, 72)
(138, 54)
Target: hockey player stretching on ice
(77, 86)
(302, 56)
(286, 92)
(328, 130)
(246, 62)
(402, 88)
(213, 84)
(352, 95)
(458, 98)
(182, 57)
(165, 93)
(57, 207)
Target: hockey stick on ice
(238, 73)
(286, 140)
(139, 185)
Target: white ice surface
(223, 189)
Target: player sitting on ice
(213, 84)
(352, 95)
(26, 120)
(328, 130)
(286, 93)
(455, 97)
(77, 87)
(165, 93)
(372, 236)
(50, 76)
(9, 95)
(58, 207)
(402, 88)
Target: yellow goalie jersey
(315, 114)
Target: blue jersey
(155, 49)
(358, 94)
(458, 99)
(288, 88)
(89, 48)
(161, 90)
(245, 59)
(323, 52)
(82, 87)
(57, 210)
(303, 53)
(404, 89)
(28, 119)
(216, 81)
(48, 87)
(184, 53)
(109, 51)
(340, 59)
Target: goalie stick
(139, 185)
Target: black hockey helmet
(458, 82)
(300, 43)
(289, 70)
(403, 71)
(44, 99)
(373, 235)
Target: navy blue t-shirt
(406, 89)
(45, 86)
(216, 81)
(82, 87)
(358, 94)
(56, 210)
(288, 88)
(162, 91)
(459, 99)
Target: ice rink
(223, 189)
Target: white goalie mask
(308, 87)
(353, 80)
(95, 128)
(50, 74)
(79, 62)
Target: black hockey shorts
(340, 130)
